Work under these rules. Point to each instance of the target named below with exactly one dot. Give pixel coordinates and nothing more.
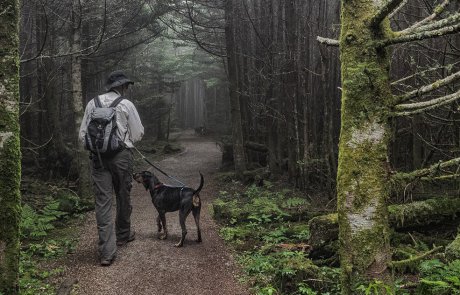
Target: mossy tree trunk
(10, 153)
(362, 185)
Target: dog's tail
(197, 191)
(196, 201)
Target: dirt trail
(150, 266)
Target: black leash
(161, 171)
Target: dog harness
(158, 186)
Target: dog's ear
(147, 174)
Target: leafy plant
(439, 278)
(35, 224)
(376, 287)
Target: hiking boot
(132, 237)
(107, 262)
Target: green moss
(453, 249)
(10, 169)
(365, 133)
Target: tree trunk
(362, 193)
(81, 157)
(10, 152)
(419, 214)
(239, 158)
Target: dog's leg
(159, 223)
(196, 216)
(165, 230)
(182, 217)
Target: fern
(438, 278)
(36, 225)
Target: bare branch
(400, 81)
(327, 41)
(384, 11)
(44, 38)
(398, 8)
(451, 20)
(437, 11)
(420, 36)
(419, 107)
(428, 88)
(195, 37)
(432, 170)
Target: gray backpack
(101, 134)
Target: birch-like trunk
(81, 156)
(10, 152)
(362, 184)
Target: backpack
(101, 134)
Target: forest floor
(155, 267)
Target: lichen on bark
(10, 156)
(362, 185)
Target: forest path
(151, 266)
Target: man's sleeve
(136, 129)
(84, 125)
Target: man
(114, 171)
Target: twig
(327, 41)
(418, 107)
(398, 8)
(437, 11)
(428, 88)
(419, 36)
(384, 11)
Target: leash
(161, 171)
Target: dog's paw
(178, 245)
(198, 240)
(162, 237)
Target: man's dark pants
(115, 174)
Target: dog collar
(158, 186)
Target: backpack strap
(97, 102)
(116, 102)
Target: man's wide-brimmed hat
(117, 78)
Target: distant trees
(10, 154)
(282, 84)
(67, 50)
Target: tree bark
(237, 132)
(81, 157)
(420, 214)
(10, 152)
(364, 137)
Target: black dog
(169, 198)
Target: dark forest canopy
(353, 103)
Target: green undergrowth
(48, 232)
(268, 229)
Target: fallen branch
(410, 263)
(325, 228)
